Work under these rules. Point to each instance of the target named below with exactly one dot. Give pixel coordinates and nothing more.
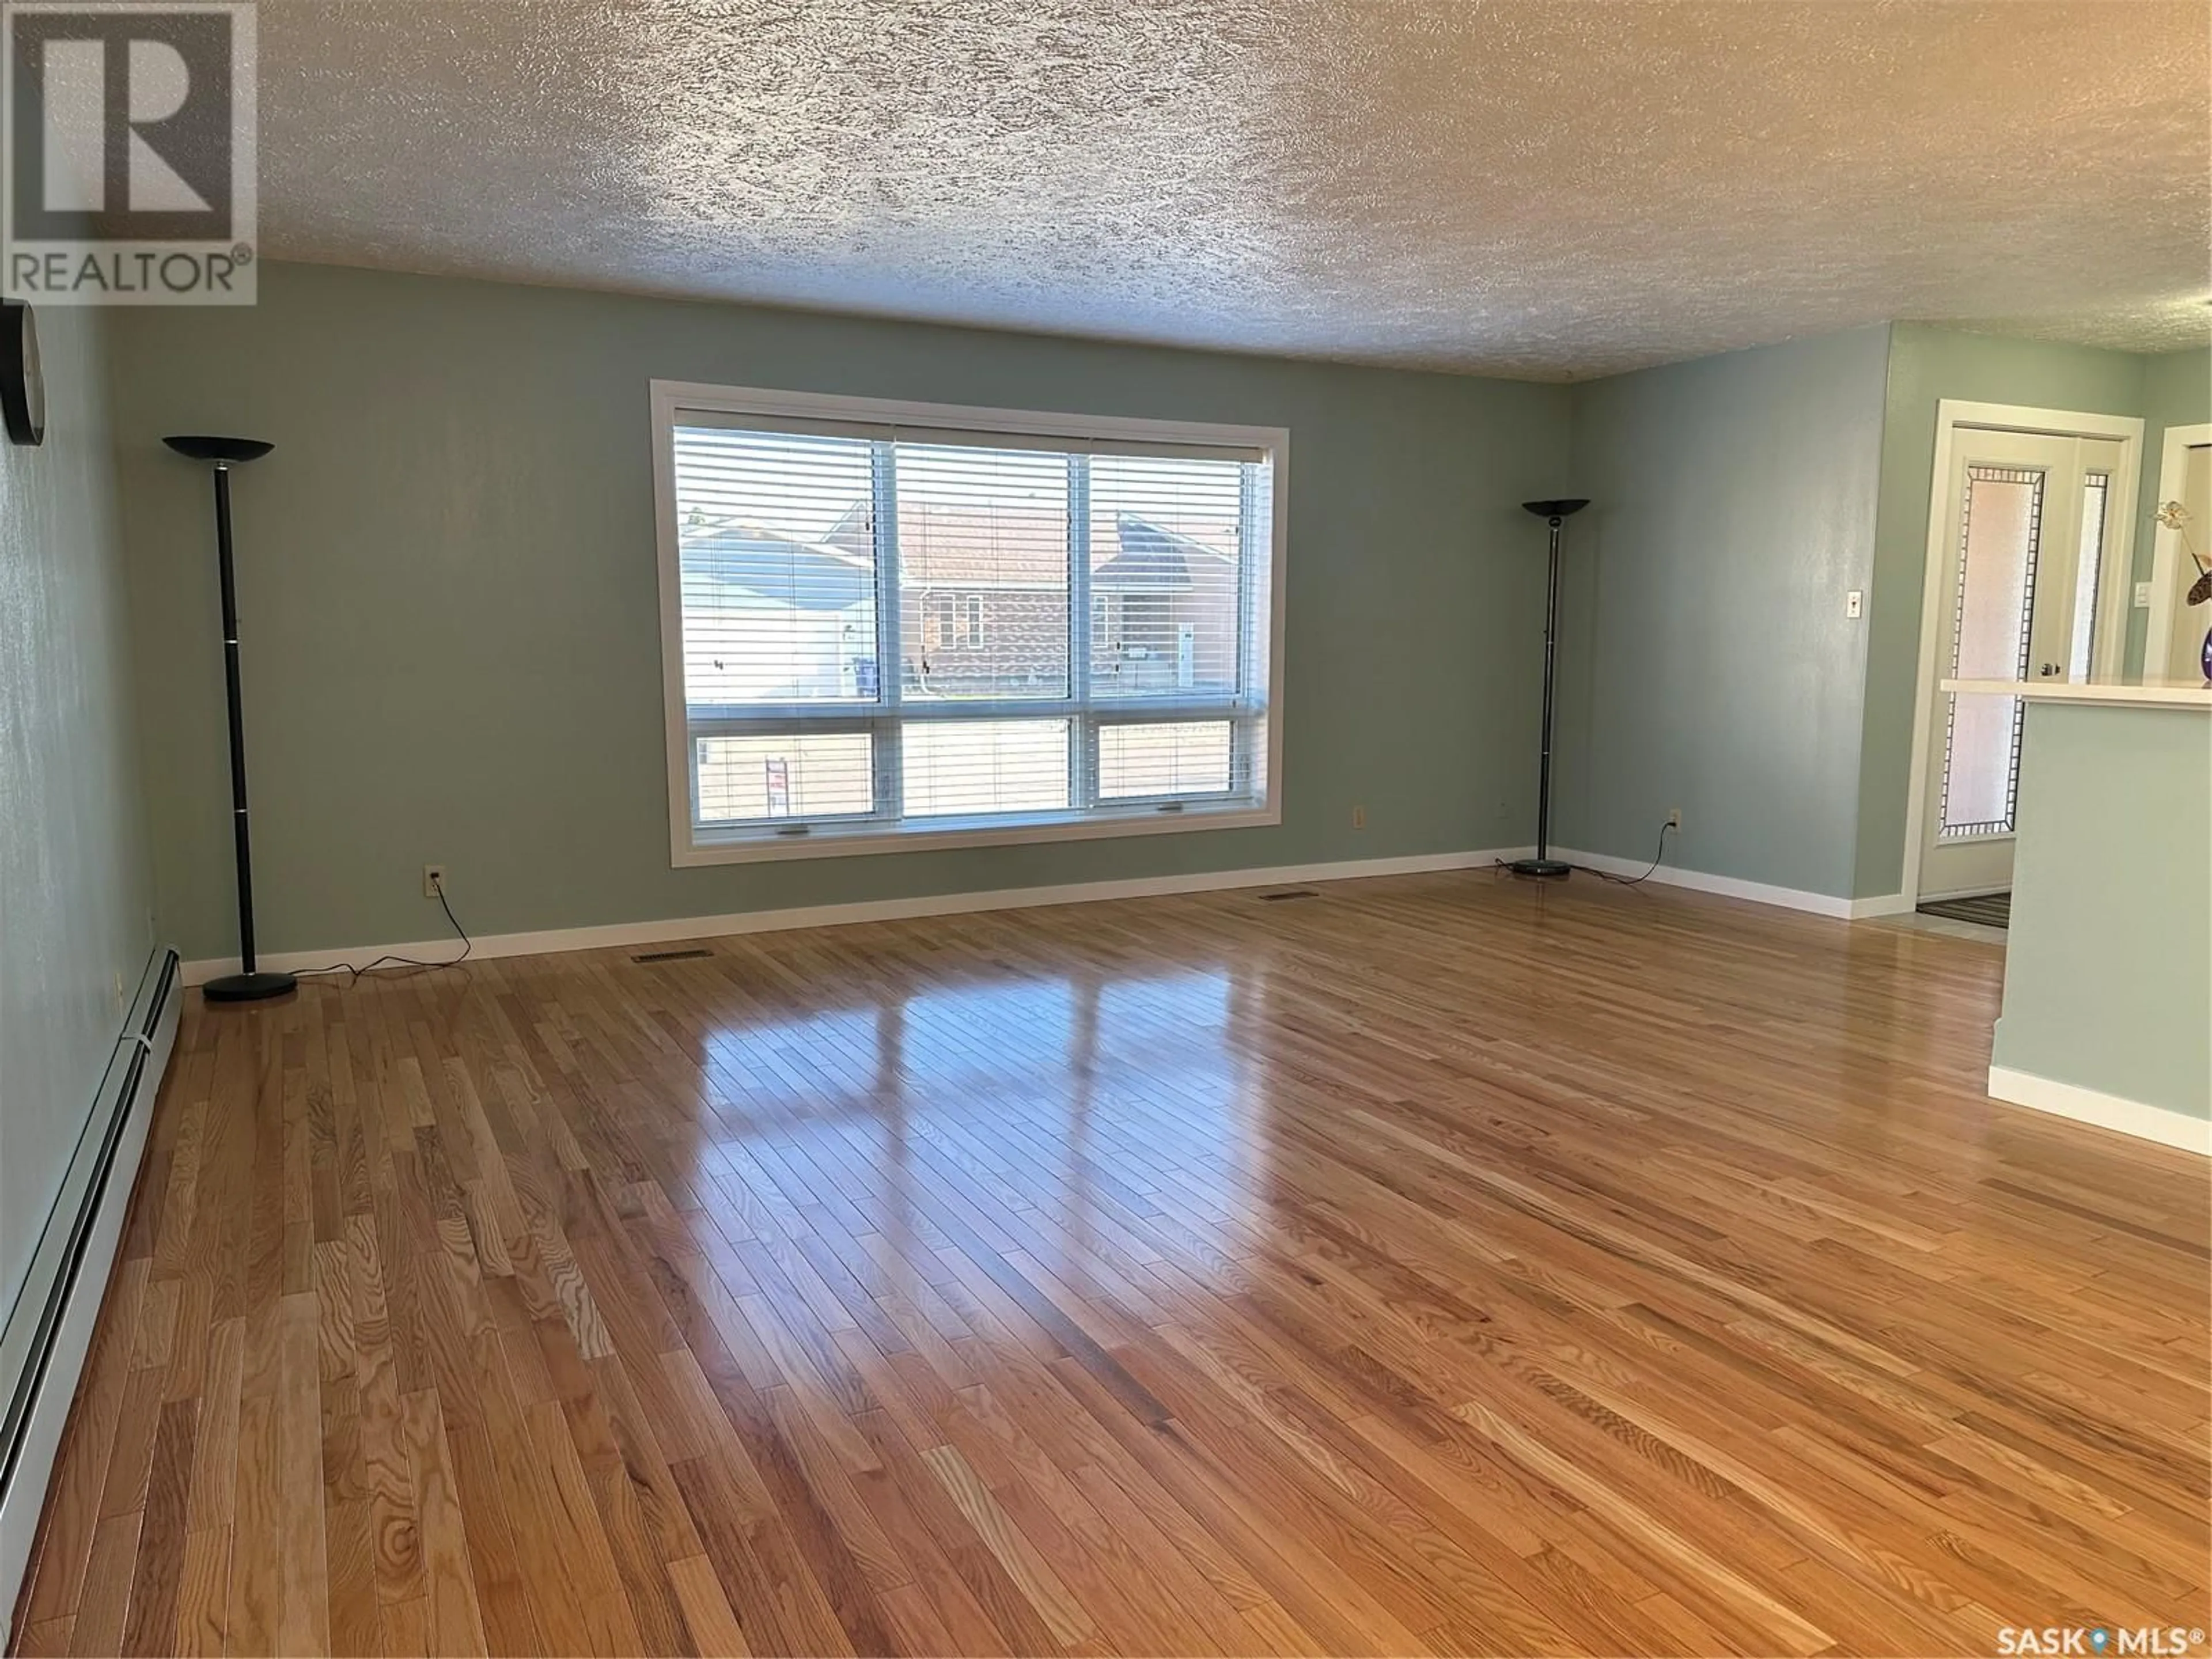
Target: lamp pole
(248, 984)
(1544, 867)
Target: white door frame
(2166, 551)
(2117, 577)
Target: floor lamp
(247, 985)
(1544, 864)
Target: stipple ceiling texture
(1545, 188)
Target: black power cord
(1633, 881)
(389, 961)
(1657, 858)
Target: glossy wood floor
(1427, 1265)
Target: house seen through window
(892, 629)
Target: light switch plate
(2142, 596)
(1854, 603)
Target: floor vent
(1288, 893)
(672, 956)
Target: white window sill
(750, 848)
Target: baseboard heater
(48, 1335)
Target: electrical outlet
(1359, 818)
(2142, 596)
(1673, 817)
(434, 880)
(1855, 604)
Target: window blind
(888, 629)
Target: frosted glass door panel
(2021, 520)
(1998, 545)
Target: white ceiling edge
(2029, 331)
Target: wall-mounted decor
(23, 388)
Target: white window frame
(674, 401)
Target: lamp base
(1543, 869)
(248, 987)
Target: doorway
(2173, 642)
(2030, 548)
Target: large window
(892, 624)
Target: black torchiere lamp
(1544, 864)
(247, 985)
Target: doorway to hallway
(2030, 540)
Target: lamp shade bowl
(201, 446)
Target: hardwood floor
(1427, 1265)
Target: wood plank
(454, 1623)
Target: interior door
(2176, 639)
(2032, 530)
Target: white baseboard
(2130, 1117)
(831, 915)
(1758, 892)
(1889, 904)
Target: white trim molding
(1888, 904)
(2152, 691)
(2166, 553)
(1758, 892)
(620, 934)
(2129, 1117)
(1953, 414)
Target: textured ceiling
(1548, 188)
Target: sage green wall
(450, 615)
(1708, 664)
(2177, 392)
(1708, 661)
(74, 893)
(1926, 365)
(2108, 966)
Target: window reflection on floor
(1031, 1083)
(799, 1061)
